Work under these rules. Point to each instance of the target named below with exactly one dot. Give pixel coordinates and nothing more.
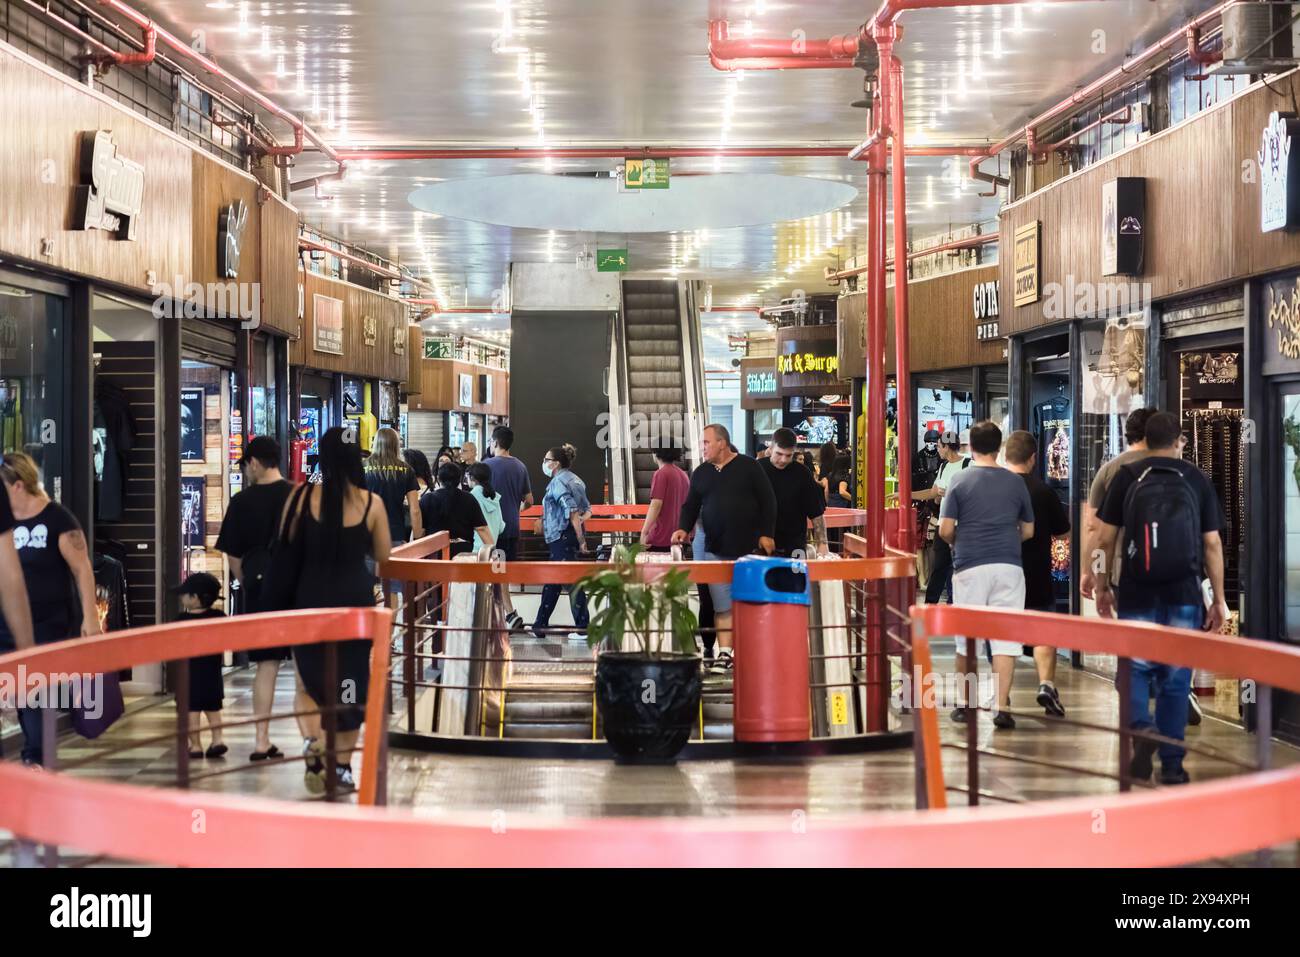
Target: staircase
(656, 367)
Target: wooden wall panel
(941, 320)
(44, 115)
(1202, 219)
(216, 186)
(378, 361)
(440, 387)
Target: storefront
(815, 404)
(457, 402)
(1118, 304)
(346, 366)
(958, 358)
(133, 316)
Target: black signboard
(1123, 225)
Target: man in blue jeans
(1170, 517)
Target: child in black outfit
(197, 594)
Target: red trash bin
(770, 600)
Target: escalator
(659, 381)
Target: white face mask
(548, 468)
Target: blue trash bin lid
(763, 581)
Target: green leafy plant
(634, 608)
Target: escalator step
(656, 379)
(655, 395)
(579, 730)
(654, 363)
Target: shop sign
(1278, 173)
(369, 330)
(399, 341)
(1123, 211)
(327, 324)
(1281, 325)
(230, 237)
(8, 338)
(645, 174)
(985, 303)
(760, 385)
(1026, 263)
(111, 192)
(807, 361)
(611, 260)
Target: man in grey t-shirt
(986, 514)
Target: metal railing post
(331, 718)
(408, 666)
(1124, 688)
(181, 673)
(971, 678)
(50, 754)
(1263, 749)
(916, 707)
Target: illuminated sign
(1277, 162)
(799, 363)
(1026, 264)
(759, 384)
(111, 192)
(985, 303)
(645, 174)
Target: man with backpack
(1171, 519)
(952, 463)
(251, 523)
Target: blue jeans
(1171, 683)
(563, 549)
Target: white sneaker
(577, 637)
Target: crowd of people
(1151, 540)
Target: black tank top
(342, 581)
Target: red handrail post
(180, 672)
(971, 679)
(1124, 688)
(408, 665)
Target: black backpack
(1162, 526)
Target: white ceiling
(402, 73)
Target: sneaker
(314, 770)
(346, 781)
(1050, 700)
(958, 714)
(722, 664)
(1193, 709)
(577, 637)
(1139, 769)
(1003, 721)
(1174, 775)
(515, 622)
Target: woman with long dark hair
(419, 463)
(389, 477)
(338, 525)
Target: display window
(32, 379)
(211, 439)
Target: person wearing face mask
(563, 509)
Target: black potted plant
(648, 699)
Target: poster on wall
(193, 517)
(309, 429)
(941, 410)
(327, 324)
(466, 390)
(193, 404)
(1114, 368)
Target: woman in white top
(480, 486)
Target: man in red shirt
(668, 490)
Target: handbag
(284, 569)
(111, 707)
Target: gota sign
(1277, 173)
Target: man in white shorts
(986, 514)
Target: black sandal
(271, 752)
(196, 753)
(216, 751)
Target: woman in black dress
(197, 595)
(340, 524)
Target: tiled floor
(580, 788)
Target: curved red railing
(119, 650)
(1153, 828)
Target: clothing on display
(1052, 424)
(111, 593)
(115, 432)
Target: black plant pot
(648, 704)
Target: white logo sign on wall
(1276, 169)
(985, 302)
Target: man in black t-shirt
(250, 525)
(798, 497)
(1158, 584)
(13, 588)
(1050, 520)
(730, 494)
(451, 509)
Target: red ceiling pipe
(902, 334)
(1196, 54)
(730, 55)
(302, 132)
(145, 56)
(586, 152)
(1120, 116)
(969, 242)
(377, 269)
(877, 173)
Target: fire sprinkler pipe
(1119, 117)
(902, 333)
(376, 268)
(1196, 54)
(969, 242)
(729, 54)
(301, 132)
(587, 152)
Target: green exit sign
(611, 260)
(645, 174)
